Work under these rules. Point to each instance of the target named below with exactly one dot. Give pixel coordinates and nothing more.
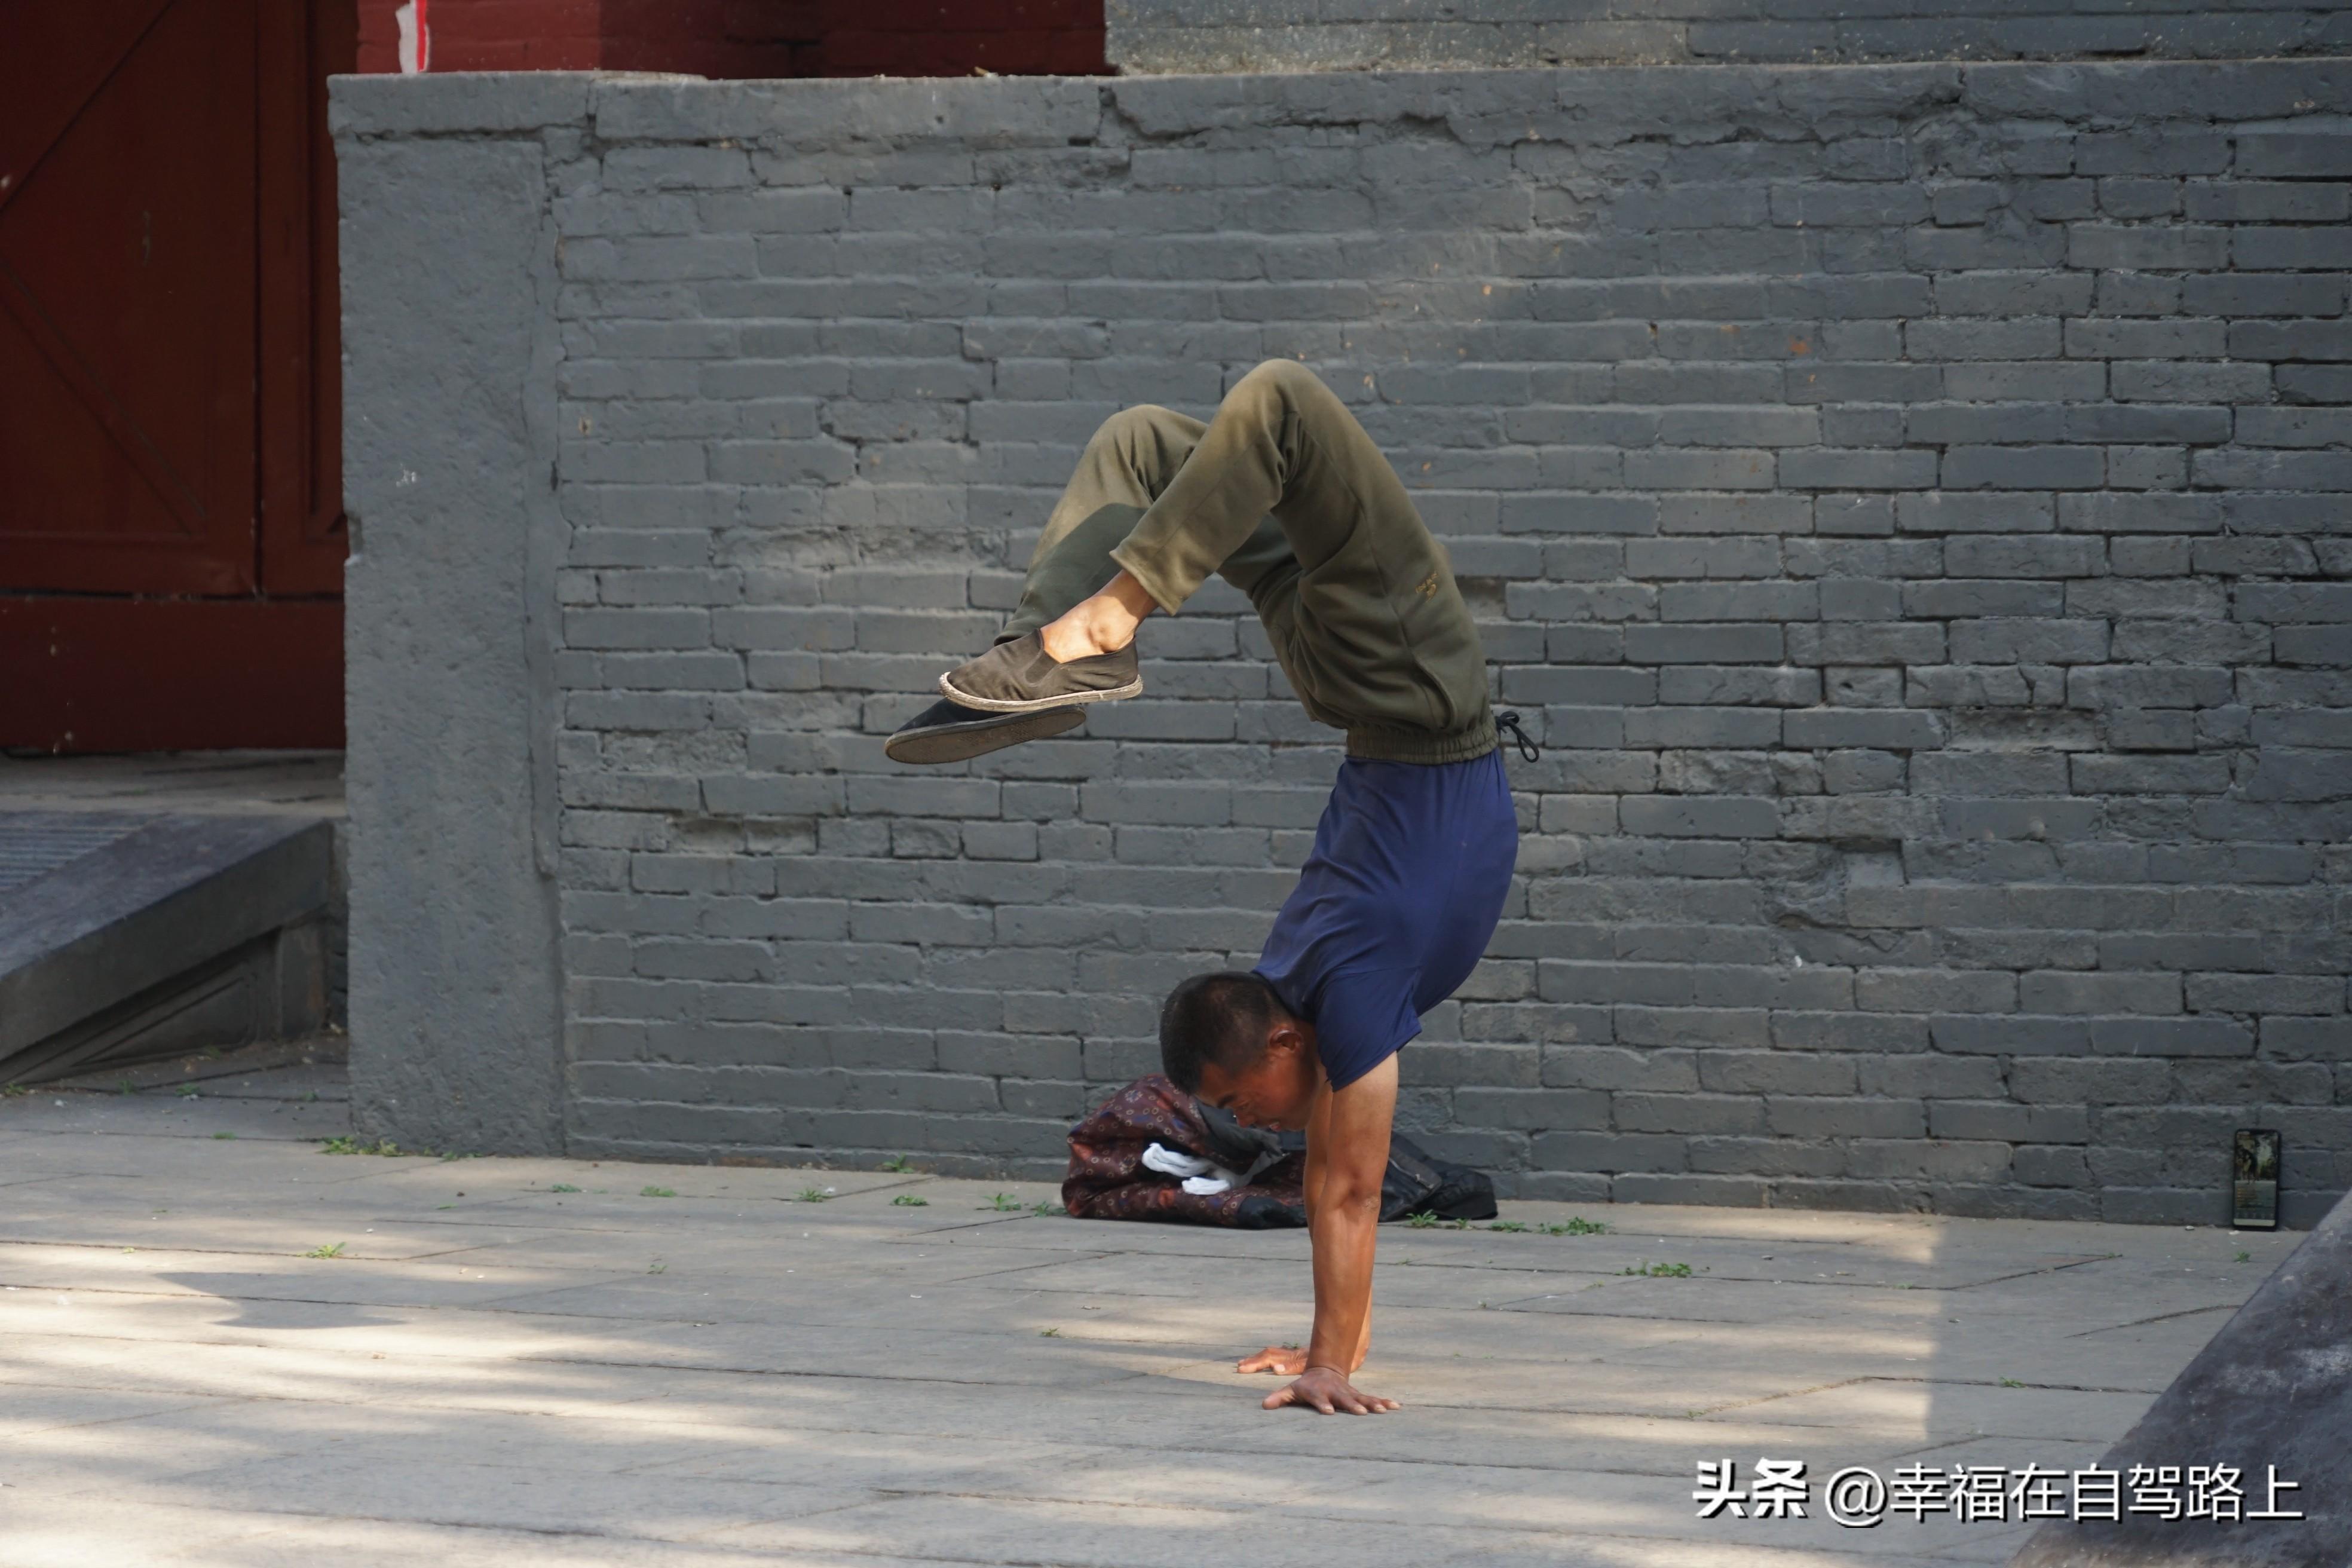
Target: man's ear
(1286, 1035)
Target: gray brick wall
(1160, 36)
(1911, 504)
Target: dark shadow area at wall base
(125, 939)
(2272, 1391)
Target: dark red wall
(747, 37)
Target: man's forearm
(1347, 1159)
(1345, 1230)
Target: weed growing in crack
(346, 1144)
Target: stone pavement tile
(52, 1530)
(906, 1301)
(1119, 1477)
(621, 1186)
(1143, 1277)
(286, 1275)
(593, 1379)
(2204, 1261)
(285, 1229)
(1180, 1244)
(2052, 1351)
(1224, 1418)
(1432, 1382)
(148, 1323)
(286, 1542)
(996, 1358)
(769, 1258)
(1360, 1526)
(1602, 1503)
(2181, 1330)
(64, 1333)
(1699, 1301)
(2012, 1453)
(832, 1456)
(1915, 1264)
(454, 1486)
(46, 1113)
(399, 1423)
(144, 1439)
(1532, 1280)
(1127, 1535)
(1203, 1415)
(1729, 1549)
(1661, 1378)
(234, 1175)
(1654, 1221)
(30, 1411)
(1910, 1412)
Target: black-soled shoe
(1021, 677)
(949, 732)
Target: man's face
(1276, 1090)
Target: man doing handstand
(1285, 496)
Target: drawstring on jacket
(1507, 722)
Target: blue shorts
(1396, 904)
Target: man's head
(1227, 1039)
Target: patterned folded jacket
(1108, 1180)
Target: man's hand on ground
(1282, 1361)
(1322, 1388)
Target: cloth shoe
(949, 732)
(1021, 677)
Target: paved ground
(221, 1345)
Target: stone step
(124, 938)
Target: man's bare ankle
(1064, 641)
(1082, 634)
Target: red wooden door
(127, 301)
(301, 375)
(169, 385)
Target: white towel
(1201, 1177)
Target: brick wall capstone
(1911, 502)
(1160, 36)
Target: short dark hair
(1221, 1017)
